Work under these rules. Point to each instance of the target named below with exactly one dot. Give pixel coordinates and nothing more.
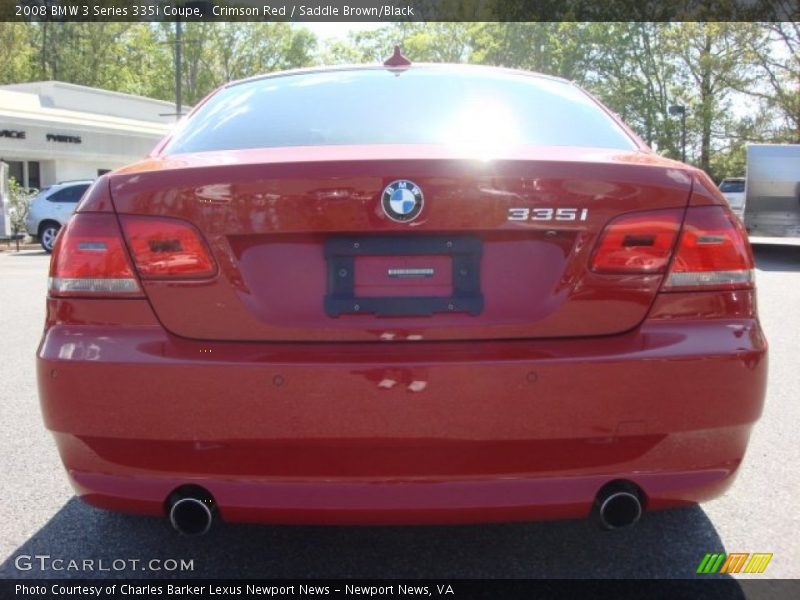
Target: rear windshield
(732, 186)
(416, 106)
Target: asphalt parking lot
(40, 515)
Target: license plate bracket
(464, 250)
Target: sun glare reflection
(484, 129)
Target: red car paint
(575, 373)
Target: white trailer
(772, 191)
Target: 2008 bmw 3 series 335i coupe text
(401, 294)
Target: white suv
(51, 208)
(733, 190)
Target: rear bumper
(401, 432)
(445, 499)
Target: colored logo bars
(736, 562)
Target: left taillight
(90, 260)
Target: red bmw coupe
(401, 294)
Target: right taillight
(712, 252)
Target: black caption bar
(403, 10)
(503, 589)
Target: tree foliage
(738, 81)
(19, 200)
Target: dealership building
(52, 131)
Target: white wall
(74, 131)
(96, 145)
(58, 94)
(47, 173)
(66, 170)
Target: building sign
(18, 134)
(66, 139)
(14, 134)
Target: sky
(338, 30)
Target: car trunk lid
(306, 252)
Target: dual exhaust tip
(618, 505)
(192, 509)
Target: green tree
(139, 58)
(18, 52)
(777, 58)
(553, 48)
(82, 53)
(145, 64)
(713, 61)
(19, 204)
(420, 42)
(215, 53)
(631, 70)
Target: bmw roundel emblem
(402, 201)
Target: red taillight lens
(713, 252)
(166, 248)
(639, 242)
(89, 259)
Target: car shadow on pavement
(667, 544)
(775, 257)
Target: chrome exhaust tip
(191, 513)
(619, 505)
